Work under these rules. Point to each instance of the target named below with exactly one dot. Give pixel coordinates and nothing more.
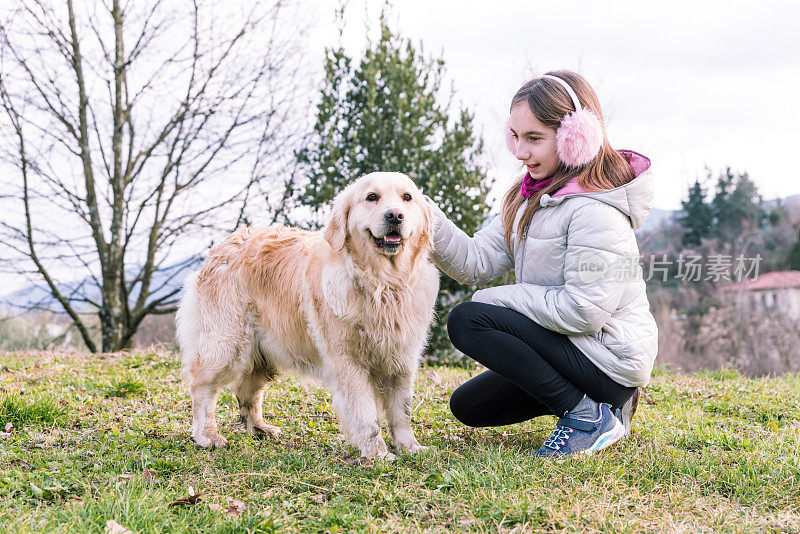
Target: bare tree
(129, 133)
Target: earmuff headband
(566, 86)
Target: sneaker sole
(607, 439)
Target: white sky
(690, 84)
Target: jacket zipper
(522, 259)
(522, 245)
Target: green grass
(106, 437)
(123, 387)
(21, 410)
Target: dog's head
(383, 210)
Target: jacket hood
(634, 199)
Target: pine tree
(732, 215)
(737, 208)
(696, 217)
(384, 114)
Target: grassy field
(95, 443)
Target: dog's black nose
(393, 216)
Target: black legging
(533, 371)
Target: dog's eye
(372, 197)
(406, 197)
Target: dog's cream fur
(333, 305)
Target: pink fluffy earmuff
(579, 137)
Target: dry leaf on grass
(112, 527)
(235, 508)
(9, 427)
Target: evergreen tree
(384, 114)
(733, 215)
(696, 216)
(737, 207)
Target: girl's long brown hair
(549, 103)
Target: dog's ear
(336, 230)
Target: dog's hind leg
(207, 376)
(204, 420)
(250, 394)
(204, 366)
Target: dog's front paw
(211, 440)
(267, 430)
(377, 449)
(410, 447)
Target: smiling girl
(574, 336)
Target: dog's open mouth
(390, 241)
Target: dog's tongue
(392, 238)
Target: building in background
(777, 291)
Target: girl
(574, 336)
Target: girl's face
(535, 143)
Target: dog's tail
(187, 324)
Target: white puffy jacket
(577, 271)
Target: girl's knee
(460, 323)
(460, 407)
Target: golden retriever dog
(350, 306)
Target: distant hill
(791, 204)
(655, 219)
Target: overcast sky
(690, 84)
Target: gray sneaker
(576, 436)
(626, 411)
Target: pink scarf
(529, 185)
